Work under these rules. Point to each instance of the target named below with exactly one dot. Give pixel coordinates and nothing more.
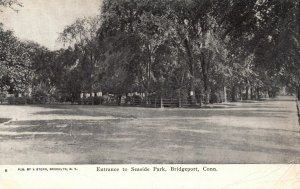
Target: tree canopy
(194, 50)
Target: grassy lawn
(258, 132)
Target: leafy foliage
(163, 48)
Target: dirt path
(245, 132)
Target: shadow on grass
(87, 112)
(160, 113)
(3, 120)
(64, 126)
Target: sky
(41, 21)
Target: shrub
(214, 98)
(136, 100)
(20, 100)
(29, 100)
(11, 100)
(39, 96)
(87, 101)
(98, 100)
(17, 100)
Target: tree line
(198, 51)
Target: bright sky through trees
(42, 20)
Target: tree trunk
(241, 93)
(179, 98)
(298, 92)
(257, 93)
(269, 94)
(225, 94)
(192, 70)
(233, 93)
(205, 83)
(204, 65)
(247, 93)
(192, 92)
(148, 70)
(251, 93)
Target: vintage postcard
(149, 94)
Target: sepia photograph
(85, 82)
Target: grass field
(245, 132)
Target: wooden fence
(151, 102)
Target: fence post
(81, 98)
(161, 103)
(93, 96)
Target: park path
(243, 132)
